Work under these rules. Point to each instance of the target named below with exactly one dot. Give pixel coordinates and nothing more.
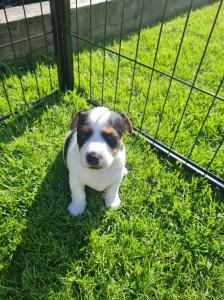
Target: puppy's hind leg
(78, 203)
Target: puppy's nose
(93, 159)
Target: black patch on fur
(83, 118)
(82, 134)
(111, 140)
(66, 145)
(116, 121)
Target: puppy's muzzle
(93, 159)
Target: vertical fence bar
(29, 41)
(6, 95)
(154, 63)
(136, 55)
(14, 55)
(104, 50)
(61, 24)
(215, 154)
(90, 49)
(45, 40)
(77, 40)
(119, 55)
(205, 119)
(197, 72)
(174, 69)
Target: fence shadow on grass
(30, 65)
(15, 126)
(53, 241)
(188, 175)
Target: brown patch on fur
(85, 129)
(120, 147)
(74, 121)
(128, 125)
(79, 119)
(108, 130)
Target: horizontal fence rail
(153, 140)
(19, 68)
(65, 38)
(74, 35)
(25, 39)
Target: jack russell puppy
(95, 155)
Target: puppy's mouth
(94, 167)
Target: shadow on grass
(172, 165)
(10, 68)
(53, 243)
(15, 126)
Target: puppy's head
(99, 133)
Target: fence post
(61, 25)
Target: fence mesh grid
(26, 59)
(173, 81)
(112, 76)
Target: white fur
(107, 178)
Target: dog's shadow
(53, 241)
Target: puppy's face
(99, 133)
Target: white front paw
(112, 202)
(125, 171)
(76, 208)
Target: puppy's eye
(82, 135)
(84, 132)
(111, 140)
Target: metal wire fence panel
(21, 76)
(168, 77)
(165, 78)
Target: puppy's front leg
(112, 199)
(78, 203)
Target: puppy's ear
(74, 122)
(81, 115)
(127, 123)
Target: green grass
(166, 240)
(209, 78)
(212, 70)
